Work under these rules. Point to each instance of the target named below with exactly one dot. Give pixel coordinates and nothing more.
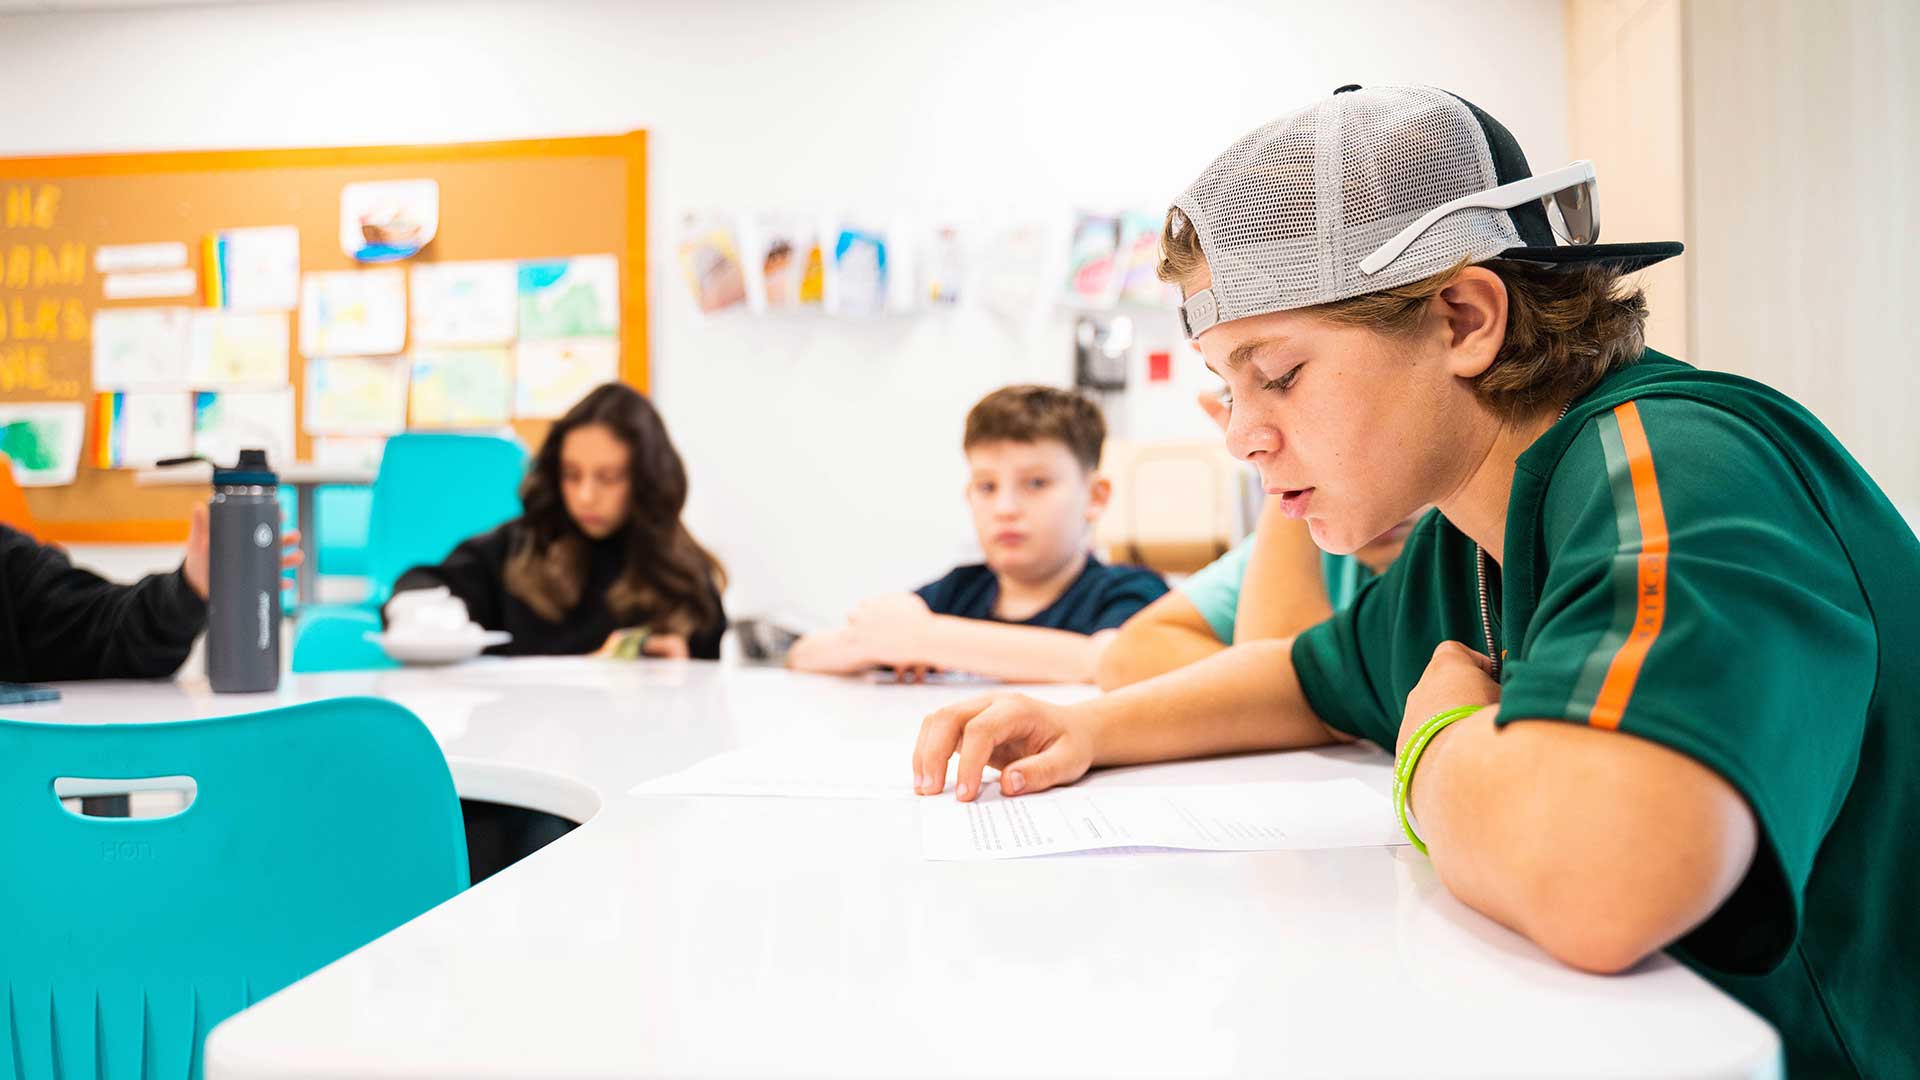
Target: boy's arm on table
(1600, 846)
(1279, 594)
(830, 652)
(898, 630)
(1007, 652)
(1167, 634)
(1242, 699)
(1284, 590)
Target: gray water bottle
(243, 602)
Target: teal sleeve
(1695, 596)
(1344, 575)
(1215, 589)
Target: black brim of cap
(1625, 258)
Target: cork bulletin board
(532, 199)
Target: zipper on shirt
(1480, 579)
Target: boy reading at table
(1649, 670)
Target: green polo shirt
(1693, 559)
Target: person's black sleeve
(475, 572)
(62, 622)
(705, 642)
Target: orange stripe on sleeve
(1651, 608)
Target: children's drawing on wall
(142, 348)
(468, 389)
(570, 298)
(1015, 283)
(1092, 278)
(550, 376)
(43, 440)
(239, 348)
(710, 263)
(385, 220)
(353, 312)
(226, 422)
(859, 279)
(133, 430)
(356, 395)
(784, 253)
(1140, 284)
(464, 303)
(943, 267)
(254, 269)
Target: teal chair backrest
(434, 491)
(343, 513)
(334, 638)
(313, 830)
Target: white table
(759, 936)
(303, 477)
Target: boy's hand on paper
(1457, 675)
(1035, 745)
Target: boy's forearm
(827, 653)
(1282, 591)
(1241, 699)
(1145, 649)
(1012, 653)
(1599, 846)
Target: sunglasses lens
(1579, 215)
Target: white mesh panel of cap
(1285, 215)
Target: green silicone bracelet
(1410, 759)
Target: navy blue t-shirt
(1101, 598)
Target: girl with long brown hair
(599, 547)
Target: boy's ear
(1099, 491)
(1472, 320)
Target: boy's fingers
(1038, 772)
(939, 735)
(1459, 650)
(983, 733)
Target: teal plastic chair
(336, 640)
(313, 830)
(340, 543)
(432, 492)
(344, 514)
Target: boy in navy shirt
(1041, 608)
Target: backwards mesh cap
(1288, 214)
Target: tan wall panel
(1804, 261)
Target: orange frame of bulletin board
(532, 198)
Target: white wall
(824, 455)
(1626, 95)
(1802, 216)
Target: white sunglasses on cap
(1573, 191)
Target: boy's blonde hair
(1032, 414)
(1566, 329)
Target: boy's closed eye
(1284, 382)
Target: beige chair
(1176, 506)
